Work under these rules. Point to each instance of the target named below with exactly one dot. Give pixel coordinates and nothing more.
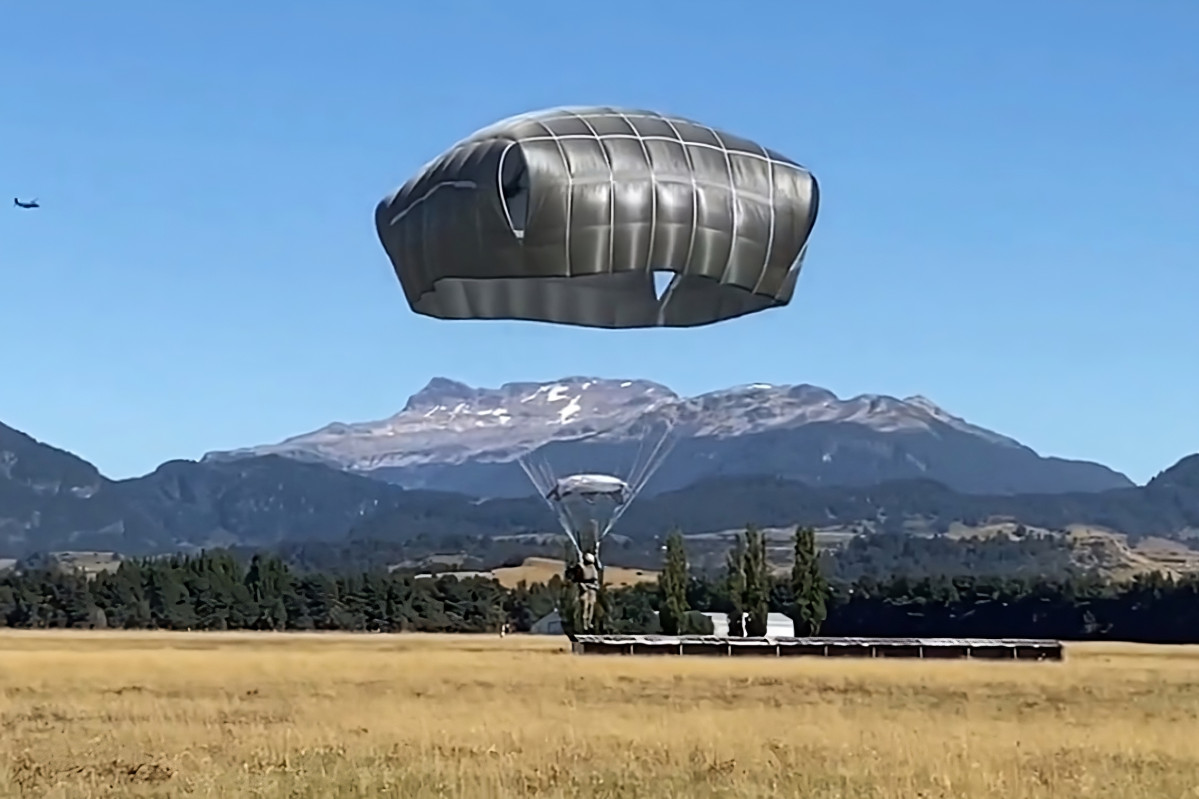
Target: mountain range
(454, 437)
(776, 456)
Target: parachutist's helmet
(588, 558)
(564, 215)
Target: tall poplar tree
(672, 586)
(808, 585)
(757, 583)
(735, 586)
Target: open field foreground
(236, 715)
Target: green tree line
(218, 591)
(747, 588)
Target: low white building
(778, 625)
(549, 624)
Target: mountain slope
(921, 506)
(51, 500)
(49, 494)
(452, 437)
(256, 501)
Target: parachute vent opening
(665, 282)
(514, 189)
(662, 281)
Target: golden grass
(540, 570)
(239, 715)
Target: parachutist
(587, 507)
(565, 216)
(589, 585)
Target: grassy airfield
(237, 715)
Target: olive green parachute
(565, 215)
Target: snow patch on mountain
(449, 422)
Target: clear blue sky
(1010, 218)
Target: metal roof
(675, 640)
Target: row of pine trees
(748, 583)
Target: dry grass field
(244, 715)
(540, 570)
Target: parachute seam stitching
(694, 199)
(773, 221)
(499, 182)
(728, 165)
(611, 192)
(444, 184)
(569, 188)
(669, 140)
(654, 185)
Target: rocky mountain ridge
(448, 422)
(51, 500)
(454, 437)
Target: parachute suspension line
(542, 477)
(547, 475)
(636, 491)
(639, 477)
(668, 445)
(559, 509)
(636, 458)
(564, 521)
(535, 477)
(643, 468)
(664, 300)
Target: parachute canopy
(564, 215)
(589, 505)
(589, 486)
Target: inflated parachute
(564, 215)
(588, 506)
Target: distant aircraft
(31, 204)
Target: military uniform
(588, 589)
